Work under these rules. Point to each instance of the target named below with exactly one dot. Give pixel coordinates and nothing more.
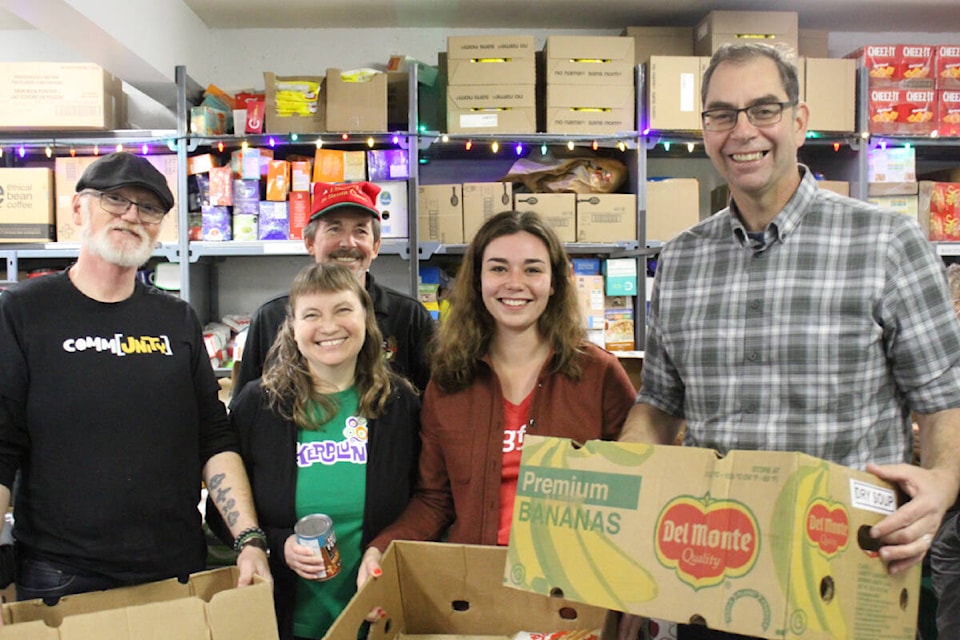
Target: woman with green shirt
(327, 429)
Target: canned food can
(316, 531)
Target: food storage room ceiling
(849, 15)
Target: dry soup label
(872, 498)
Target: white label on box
(872, 498)
(687, 92)
(478, 120)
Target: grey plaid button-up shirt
(821, 338)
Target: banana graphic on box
(572, 528)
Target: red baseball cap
(360, 195)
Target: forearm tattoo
(224, 502)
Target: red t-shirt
(515, 426)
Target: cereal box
(761, 543)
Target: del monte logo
(827, 526)
(705, 540)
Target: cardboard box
(67, 171)
(558, 210)
(590, 296)
(938, 210)
(355, 106)
(908, 205)
(760, 543)
(481, 201)
(660, 41)
(26, 205)
(902, 111)
(673, 93)
(589, 60)
(840, 187)
(947, 66)
(393, 208)
(491, 60)
(893, 164)
(606, 217)
(461, 593)
(830, 89)
(720, 27)
(813, 43)
(492, 109)
(279, 121)
(59, 95)
(916, 66)
(440, 214)
(208, 605)
(892, 188)
(599, 109)
(673, 204)
(948, 113)
(897, 66)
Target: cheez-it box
(947, 67)
(902, 111)
(899, 66)
(948, 113)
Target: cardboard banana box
(760, 543)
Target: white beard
(100, 245)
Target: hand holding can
(316, 532)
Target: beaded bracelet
(248, 534)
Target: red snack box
(221, 187)
(299, 213)
(939, 210)
(902, 111)
(881, 62)
(947, 66)
(948, 113)
(915, 65)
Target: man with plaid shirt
(799, 320)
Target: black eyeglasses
(118, 205)
(763, 114)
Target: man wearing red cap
(110, 411)
(344, 228)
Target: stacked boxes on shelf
(607, 301)
(673, 89)
(892, 179)
(338, 101)
(589, 82)
(259, 197)
(902, 98)
(491, 84)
